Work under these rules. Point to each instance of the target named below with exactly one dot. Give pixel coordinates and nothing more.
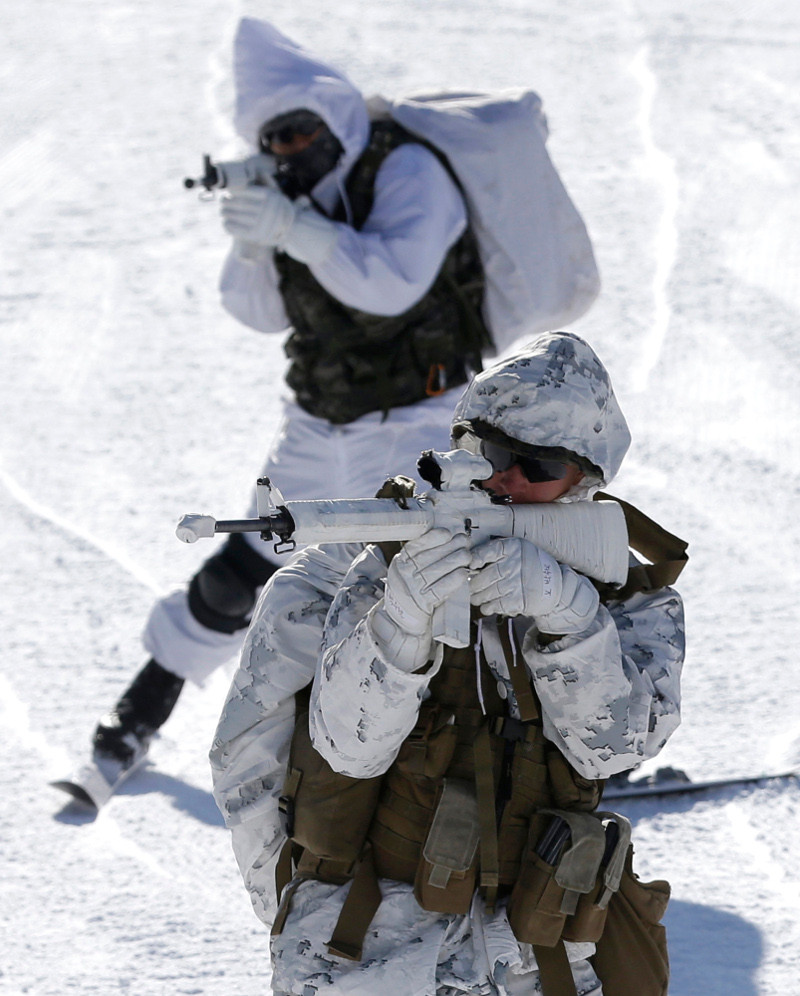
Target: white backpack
(536, 253)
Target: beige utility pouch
(589, 918)
(323, 811)
(446, 874)
(547, 892)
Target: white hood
(273, 76)
(554, 392)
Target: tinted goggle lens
(285, 133)
(536, 470)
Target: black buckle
(510, 729)
(286, 814)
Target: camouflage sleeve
(362, 705)
(611, 695)
(251, 743)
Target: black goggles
(284, 131)
(535, 469)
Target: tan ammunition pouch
(568, 875)
(323, 811)
(631, 955)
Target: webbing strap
(404, 807)
(357, 911)
(666, 552)
(283, 909)
(520, 679)
(283, 868)
(391, 842)
(555, 974)
(484, 790)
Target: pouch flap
(615, 864)
(579, 864)
(455, 831)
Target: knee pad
(223, 592)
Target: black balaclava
(299, 173)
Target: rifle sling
(665, 551)
(520, 679)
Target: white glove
(513, 577)
(426, 572)
(265, 217)
(312, 236)
(259, 215)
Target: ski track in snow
(14, 717)
(16, 724)
(676, 130)
(758, 859)
(41, 511)
(662, 169)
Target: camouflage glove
(513, 577)
(421, 577)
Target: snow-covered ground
(129, 398)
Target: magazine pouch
(559, 867)
(325, 812)
(446, 874)
(588, 920)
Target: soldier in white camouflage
(362, 251)
(568, 683)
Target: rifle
(591, 537)
(255, 170)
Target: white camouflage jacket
(418, 213)
(610, 698)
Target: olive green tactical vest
(462, 735)
(514, 772)
(344, 362)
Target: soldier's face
(288, 143)
(521, 491)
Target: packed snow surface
(130, 398)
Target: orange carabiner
(437, 380)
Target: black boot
(124, 734)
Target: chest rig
(456, 811)
(344, 362)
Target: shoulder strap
(666, 552)
(357, 911)
(385, 136)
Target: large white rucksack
(536, 253)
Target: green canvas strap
(357, 911)
(665, 551)
(485, 793)
(555, 974)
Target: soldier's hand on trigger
(426, 572)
